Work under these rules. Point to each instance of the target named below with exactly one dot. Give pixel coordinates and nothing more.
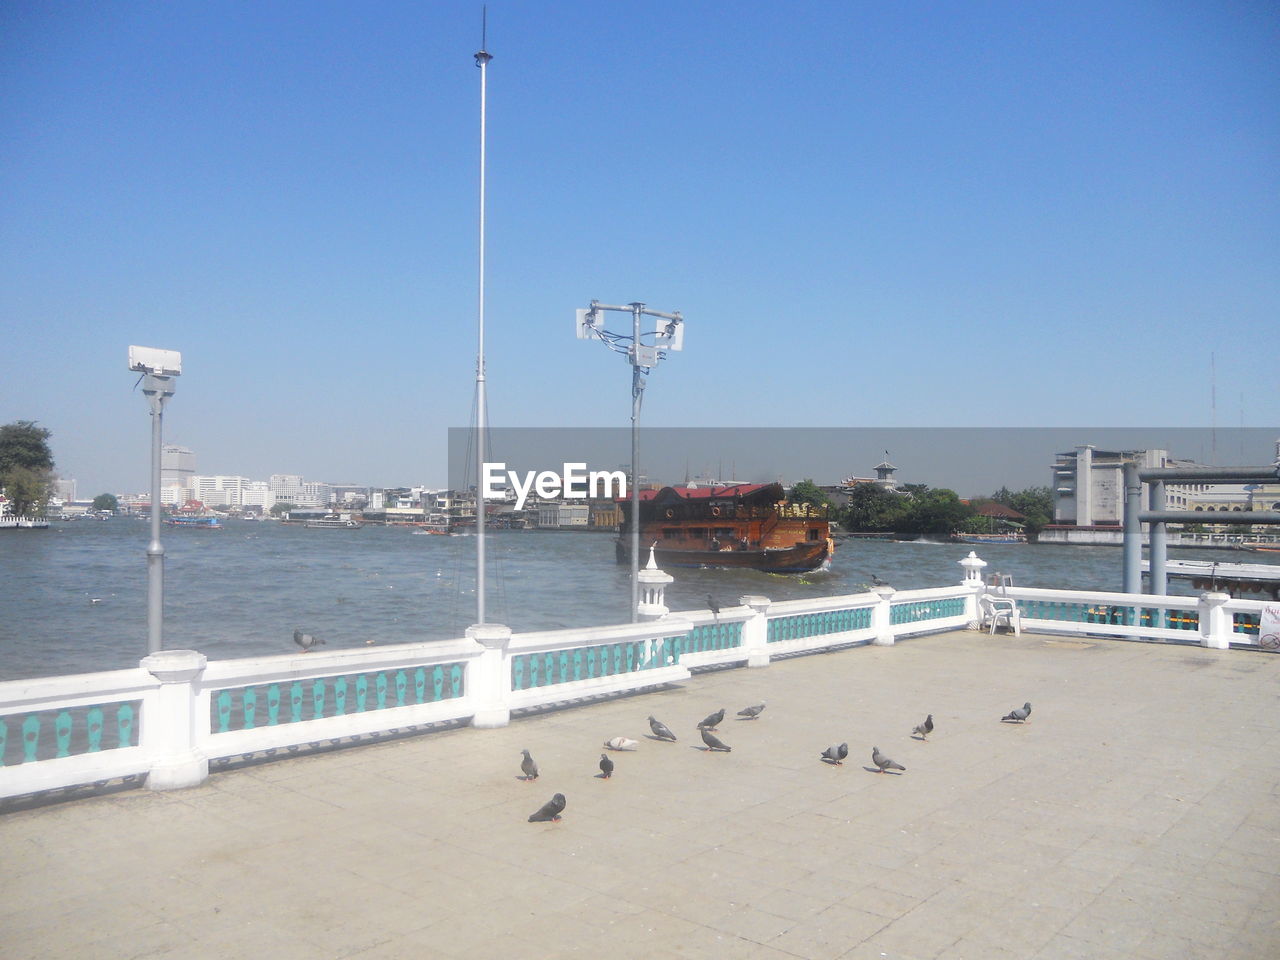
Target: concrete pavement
(1135, 815)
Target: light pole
(158, 369)
(643, 357)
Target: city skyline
(878, 216)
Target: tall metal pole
(637, 394)
(482, 60)
(157, 390)
(1132, 529)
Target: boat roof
(766, 492)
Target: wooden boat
(743, 525)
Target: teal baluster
(4, 738)
(318, 697)
(420, 684)
(455, 680)
(30, 738)
(535, 678)
(564, 666)
(362, 692)
(224, 711)
(517, 673)
(93, 721)
(124, 725)
(629, 657)
(577, 664)
(295, 702)
(340, 697)
(437, 683)
(380, 688)
(249, 701)
(402, 687)
(62, 733)
(591, 662)
(617, 658)
(273, 705)
(548, 668)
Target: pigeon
(834, 754)
(606, 766)
(528, 766)
(621, 743)
(305, 640)
(549, 811)
(1021, 713)
(661, 730)
(714, 604)
(883, 762)
(713, 721)
(924, 729)
(752, 712)
(713, 743)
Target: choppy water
(243, 590)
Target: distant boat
(199, 523)
(334, 521)
(991, 537)
(744, 525)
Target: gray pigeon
(305, 640)
(834, 754)
(549, 811)
(713, 721)
(714, 605)
(528, 766)
(924, 729)
(606, 766)
(661, 730)
(713, 743)
(883, 762)
(752, 712)
(1019, 714)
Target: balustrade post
(653, 585)
(1215, 621)
(755, 632)
(171, 727)
(489, 676)
(882, 616)
(973, 565)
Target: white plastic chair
(996, 610)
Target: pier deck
(1137, 814)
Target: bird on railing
(714, 604)
(923, 730)
(305, 640)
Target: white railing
(168, 718)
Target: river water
(73, 598)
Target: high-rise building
(177, 466)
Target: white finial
(653, 563)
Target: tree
(806, 491)
(26, 466)
(873, 509)
(281, 508)
(1036, 504)
(106, 501)
(938, 512)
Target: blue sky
(891, 214)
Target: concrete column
(882, 617)
(755, 632)
(489, 676)
(1132, 529)
(1084, 486)
(171, 729)
(973, 566)
(1215, 622)
(653, 587)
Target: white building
(219, 491)
(177, 465)
(557, 513)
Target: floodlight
(157, 362)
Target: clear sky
(917, 213)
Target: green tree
(873, 509)
(1036, 504)
(26, 466)
(806, 491)
(281, 508)
(106, 501)
(938, 512)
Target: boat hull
(797, 559)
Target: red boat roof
(731, 491)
